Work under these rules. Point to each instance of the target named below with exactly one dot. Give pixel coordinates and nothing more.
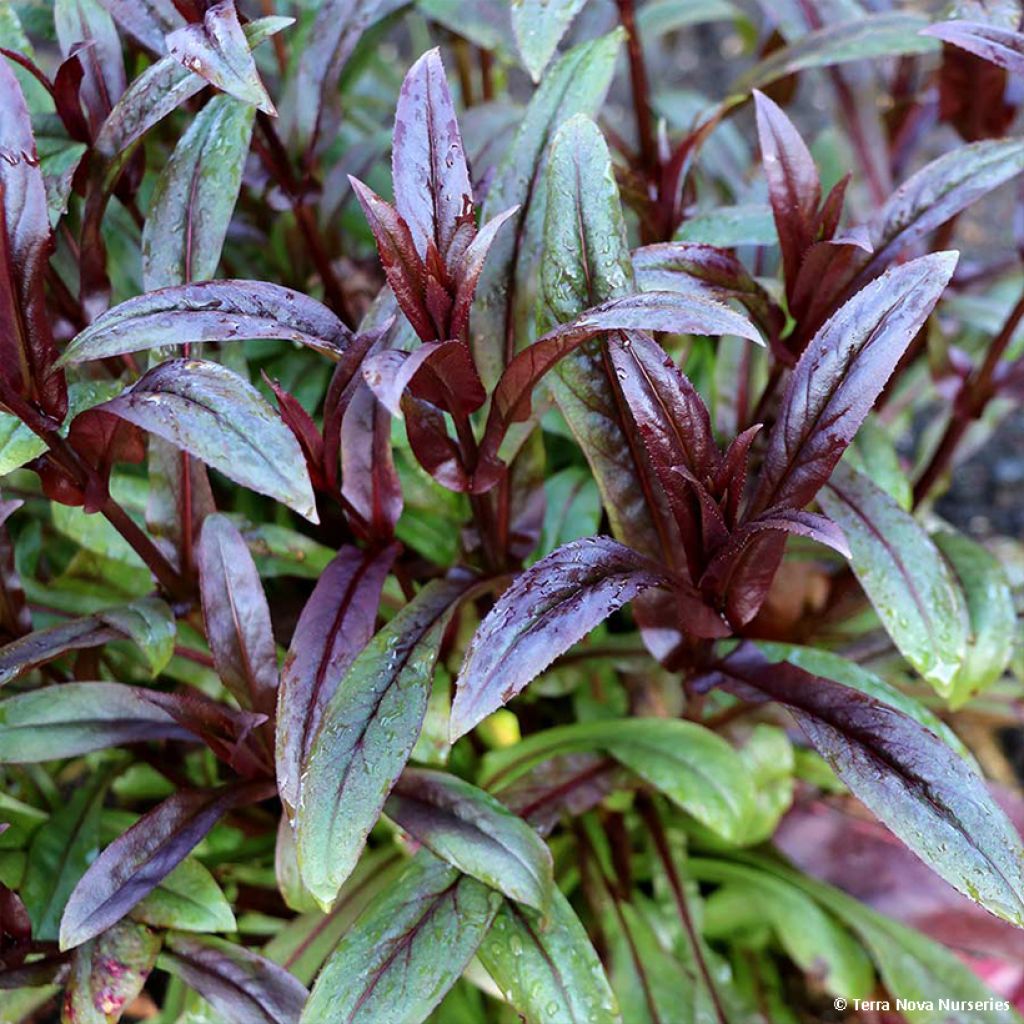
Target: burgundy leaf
(432, 445)
(301, 424)
(15, 619)
(550, 607)
(911, 779)
(15, 929)
(218, 51)
(439, 372)
(103, 79)
(369, 480)
(399, 257)
(146, 21)
(139, 859)
(67, 86)
(674, 423)
(470, 267)
(793, 183)
(839, 376)
(102, 440)
(27, 352)
(428, 164)
(210, 311)
(335, 625)
(650, 311)
(237, 616)
(243, 986)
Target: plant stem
(974, 396)
(641, 89)
(650, 815)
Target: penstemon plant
(491, 565)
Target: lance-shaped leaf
(692, 766)
(388, 967)
(27, 351)
(539, 27)
(219, 52)
(108, 973)
(188, 900)
(195, 196)
(647, 311)
(548, 970)
(474, 832)
(147, 623)
(936, 193)
(369, 480)
(905, 576)
(1002, 46)
(991, 615)
(146, 21)
(210, 412)
(428, 164)
(210, 311)
(839, 376)
(335, 625)
(15, 930)
(236, 615)
(103, 77)
(241, 986)
(925, 793)
(793, 183)
(439, 372)
(577, 83)
(888, 34)
(139, 859)
(365, 737)
(161, 88)
(75, 718)
(61, 851)
(709, 271)
(551, 606)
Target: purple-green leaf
(839, 376)
(139, 859)
(407, 949)
(55, 722)
(236, 615)
(923, 791)
(218, 51)
(366, 735)
(210, 412)
(210, 311)
(475, 833)
(242, 986)
(551, 606)
(336, 623)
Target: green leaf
(365, 737)
(816, 942)
(871, 36)
(904, 575)
(539, 26)
(692, 766)
(548, 970)
(60, 852)
(188, 900)
(195, 195)
(572, 508)
(18, 444)
(108, 973)
(913, 967)
(990, 610)
(768, 754)
(586, 260)
(407, 949)
(474, 832)
(212, 413)
(729, 226)
(874, 454)
(503, 312)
